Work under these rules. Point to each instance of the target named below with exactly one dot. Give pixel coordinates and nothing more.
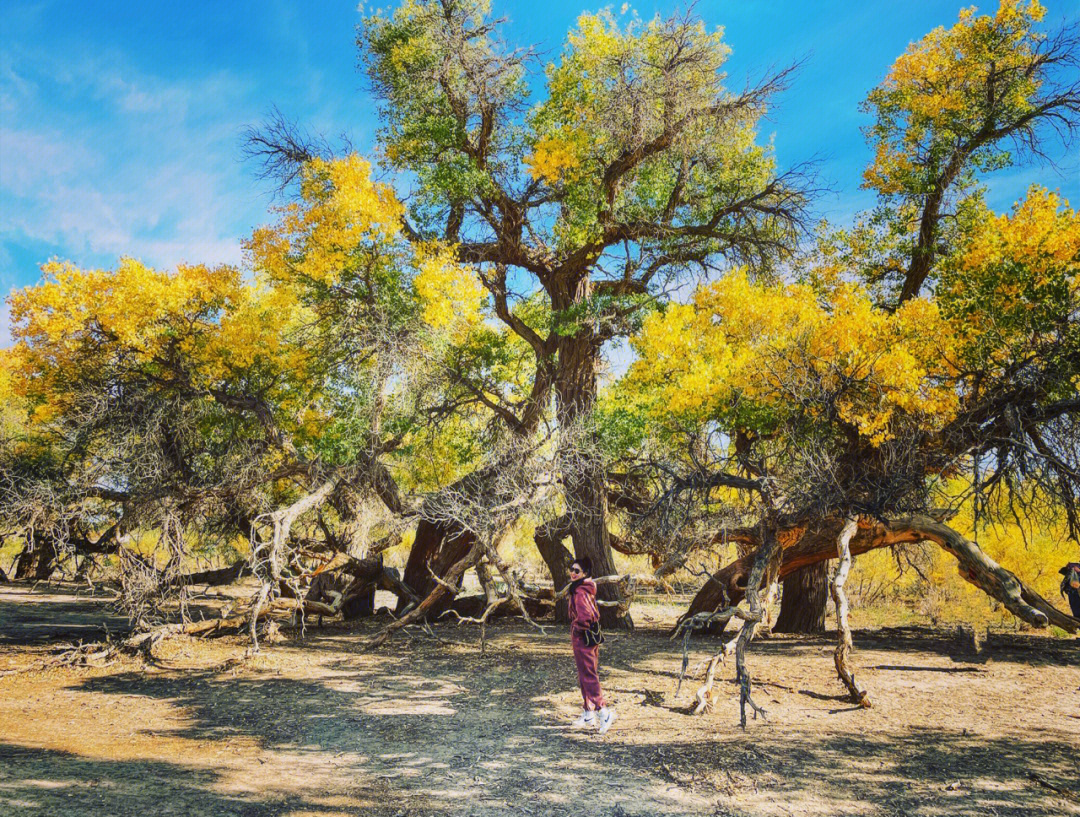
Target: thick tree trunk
(584, 479)
(803, 604)
(436, 549)
(37, 561)
(590, 535)
(437, 596)
(817, 543)
(549, 541)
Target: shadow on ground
(42, 782)
(429, 728)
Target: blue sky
(121, 122)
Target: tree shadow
(34, 618)
(1013, 647)
(45, 782)
(903, 772)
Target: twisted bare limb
(765, 565)
(843, 630)
(817, 543)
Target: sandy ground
(430, 727)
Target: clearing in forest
(432, 727)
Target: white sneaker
(586, 718)
(607, 717)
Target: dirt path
(428, 728)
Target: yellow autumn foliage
(584, 122)
(451, 294)
(885, 584)
(773, 345)
(932, 97)
(555, 156)
(346, 226)
(341, 211)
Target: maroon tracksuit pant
(588, 663)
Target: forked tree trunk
(436, 549)
(803, 604)
(549, 541)
(818, 543)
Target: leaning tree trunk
(817, 543)
(438, 546)
(584, 479)
(37, 560)
(549, 541)
(803, 605)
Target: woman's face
(575, 571)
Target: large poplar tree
(930, 349)
(636, 166)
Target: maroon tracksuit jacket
(583, 611)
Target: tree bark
(217, 576)
(436, 549)
(439, 592)
(549, 541)
(37, 561)
(842, 656)
(803, 604)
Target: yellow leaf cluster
(782, 348)
(129, 305)
(450, 293)
(1017, 278)
(1042, 233)
(936, 90)
(341, 210)
(207, 322)
(554, 157)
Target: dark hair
(586, 565)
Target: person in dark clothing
(1070, 586)
(583, 614)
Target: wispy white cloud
(98, 160)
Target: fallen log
(281, 608)
(221, 575)
(475, 605)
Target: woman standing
(583, 615)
